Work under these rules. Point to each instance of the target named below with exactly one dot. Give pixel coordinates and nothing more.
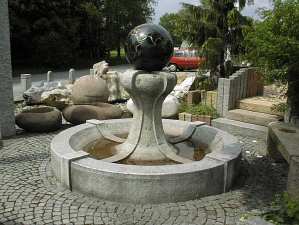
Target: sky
(167, 6)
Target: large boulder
(170, 107)
(78, 114)
(89, 90)
(59, 98)
(101, 68)
(33, 95)
(116, 90)
(39, 119)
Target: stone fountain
(144, 159)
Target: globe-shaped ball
(149, 47)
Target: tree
(61, 33)
(122, 16)
(169, 21)
(273, 44)
(217, 26)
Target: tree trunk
(222, 68)
(118, 51)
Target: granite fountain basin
(79, 171)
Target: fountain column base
(146, 140)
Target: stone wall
(244, 83)
(7, 122)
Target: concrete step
(257, 118)
(260, 104)
(240, 128)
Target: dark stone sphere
(149, 47)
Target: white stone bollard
(72, 76)
(49, 76)
(92, 72)
(26, 82)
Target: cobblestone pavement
(30, 195)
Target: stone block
(211, 99)
(226, 96)
(233, 93)
(26, 81)
(72, 76)
(49, 76)
(293, 178)
(260, 84)
(194, 118)
(220, 90)
(240, 128)
(245, 80)
(7, 119)
(193, 97)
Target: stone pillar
(26, 82)
(92, 72)
(146, 140)
(7, 118)
(227, 92)
(49, 76)
(220, 96)
(293, 178)
(71, 76)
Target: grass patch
(286, 211)
(199, 109)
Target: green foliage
(210, 49)
(287, 212)
(169, 21)
(199, 109)
(273, 44)
(62, 33)
(215, 25)
(280, 107)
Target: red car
(184, 60)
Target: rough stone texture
(191, 118)
(220, 96)
(7, 120)
(214, 174)
(283, 142)
(246, 116)
(26, 81)
(59, 98)
(34, 94)
(89, 89)
(170, 107)
(78, 114)
(39, 119)
(29, 194)
(293, 178)
(238, 128)
(260, 104)
(146, 140)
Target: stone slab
(260, 104)
(241, 128)
(247, 116)
(286, 138)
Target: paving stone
(24, 166)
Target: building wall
(7, 120)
